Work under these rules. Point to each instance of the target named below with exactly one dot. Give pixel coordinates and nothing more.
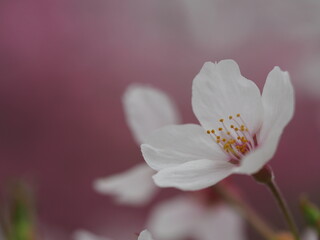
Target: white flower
(146, 109)
(310, 234)
(184, 217)
(85, 235)
(239, 132)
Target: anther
(236, 146)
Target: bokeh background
(64, 66)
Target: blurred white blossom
(220, 23)
(225, 24)
(309, 75)
(184, 217)
(146, 109)
(133, 187)
(85, 235)
(308, 79)
(239, 132)
(145, 235)
(310, 234)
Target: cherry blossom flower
(85, 235)
(146, 109)
(184, 217)
(239, 133)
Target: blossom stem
(266, 177)
(284, 208)
(246, 211)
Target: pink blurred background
(65, 64)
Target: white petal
(310, 234)
(194, 175)
(85, 235)
(177, 144)
(145, 235)
(278, 102)
(133, 187)
(220, 222)
(175, 218)
(219, 91)
(255, 160)
(147, 109)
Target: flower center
(234, 138)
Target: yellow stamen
(233, 138)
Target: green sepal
(21, 224)
(311, 213)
